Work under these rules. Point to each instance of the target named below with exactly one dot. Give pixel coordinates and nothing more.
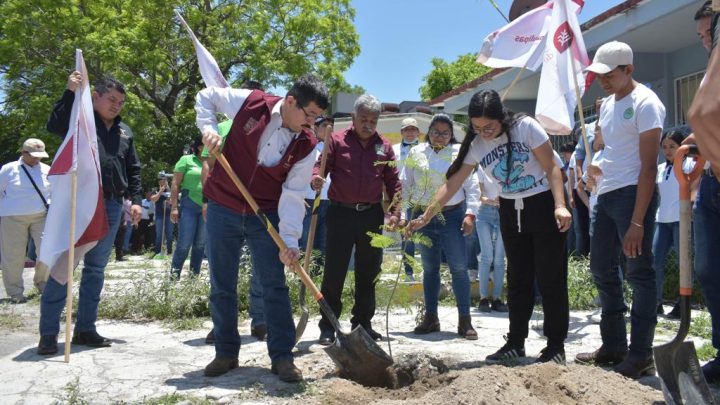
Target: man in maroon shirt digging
(355, 164)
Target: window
(685, 89)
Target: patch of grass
(706, 352)
(72, 394)
(581, 287)
(701, 326)
(175, 398)
(9, 320)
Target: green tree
(141, 43)
(446, 76)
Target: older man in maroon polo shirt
(355, 164)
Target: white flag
(209, 70)
(556, 102)
(77, 154)
(520, 43)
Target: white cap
(609, 56)
(408, 122)
(35, 148)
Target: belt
(359, 207)
(447, 207)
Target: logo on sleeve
(380, 150)
(249, 125)
(629, 113)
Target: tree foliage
(142, 44)
(446, 76)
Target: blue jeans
(613, 213)
(446, 235)
(319, 241)
(52, 301)
(128, 235)
(161, 219)
(256, 308)
(492, 250)
(409, 246)
(191, 232)
(472, 250)
(707, 241)
(666, 236)
(229, 231)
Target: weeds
(706, 352)
(9, 320)
(72, 394)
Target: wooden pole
(578, 96)
(313, 221)
(513, 83)
(70, 265)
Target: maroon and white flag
(521, 43)
(78, 154)
(209, 69)
(564, 59)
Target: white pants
(13, 242)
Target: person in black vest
(270, 148)
(120, 171)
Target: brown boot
(466, 329)
(430, 323)
(286, 370)
(220, 366)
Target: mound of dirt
(534, 384)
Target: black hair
(705, 10)
(309, 88)
(486, 104)
(568, 147)
(108, 83)
(195, 145)
(677, 136)
(445, 119)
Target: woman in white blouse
(424, 174)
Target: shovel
(305, 314)
(356, 355)
(677, 362)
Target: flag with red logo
(78, 155)
(209, 69)
(564, 59)
(521, 43)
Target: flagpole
(578, 97)
(514, 82)
(70, 265)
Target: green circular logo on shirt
(628, 113)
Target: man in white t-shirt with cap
(410, 132)
(631, 121)
(24, 198)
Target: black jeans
(582, 227)
(347, 228)
(537, 251)
(120, 240)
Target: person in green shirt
(191, 224)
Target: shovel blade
(360, 359)
(679, 369)
(302, 323)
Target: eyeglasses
(309, 116)
(488, 129)
(439, 134)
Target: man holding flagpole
(120, 172)
(631, 121)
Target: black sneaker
(506, 352)
(484, 305)
(711, 371)
(660, 309)
(90, 338)
(259, 332)
(210, 338)
(554, 354)
(498, 306)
